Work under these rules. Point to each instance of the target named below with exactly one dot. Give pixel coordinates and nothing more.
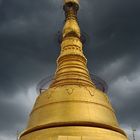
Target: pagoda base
(74, 133)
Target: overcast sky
(29, 48)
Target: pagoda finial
(71, 26)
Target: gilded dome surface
(72, 108)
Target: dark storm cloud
(27, 34)
(11, 110)
(115, 31)
(125, 96)
(29, 48)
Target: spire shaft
(71, 64)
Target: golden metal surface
(71, 25)
(74, 133)
(72, 108)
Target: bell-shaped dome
(72, 108)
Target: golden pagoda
(72, 108)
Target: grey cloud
(124, 93)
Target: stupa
(72, 108)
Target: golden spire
(71, 64)
(72, 108)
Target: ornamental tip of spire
(74, 1)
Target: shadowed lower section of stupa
(72, 108)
